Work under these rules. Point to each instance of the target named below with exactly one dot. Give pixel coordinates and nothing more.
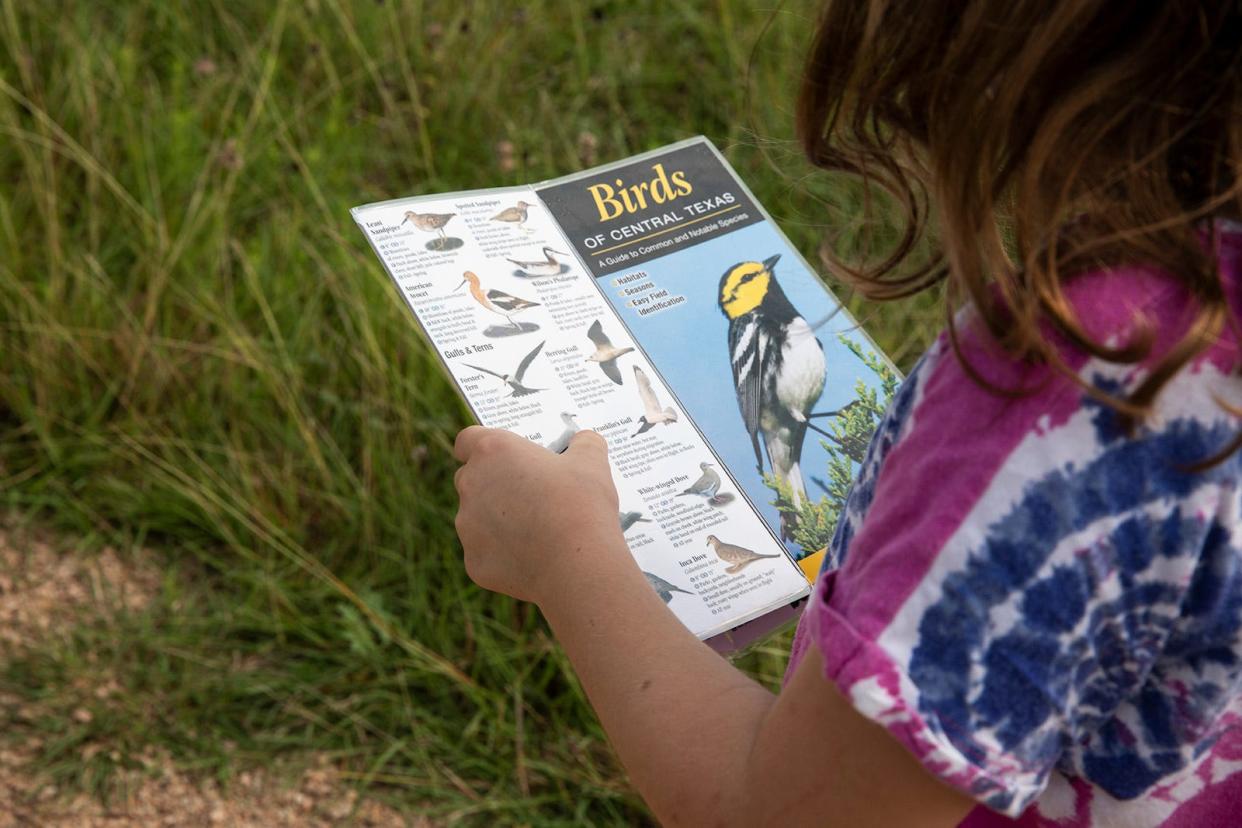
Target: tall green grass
(201, 356)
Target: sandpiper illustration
(497, 301)
(514, 215)
(571, 428)
(548, 266)
(514, 380)
(628, 519)
(653, 415)
(433, 223)
(708, 487)
(605, 352)
(737, 557)
(663, 588)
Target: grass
(201, 356)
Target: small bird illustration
(663, 588)
(778, 369)
(514, 380)
(514, 215)
(428, 222)
(496, 301)
(548, 267)
(737, 557)
(708, 487)
(653, 415)
(571, 428)
(628, 519)
(605, 352)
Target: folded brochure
(654, 301)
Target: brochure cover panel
(775, 373)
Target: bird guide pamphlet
(654, 301)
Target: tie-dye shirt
(1046, 612)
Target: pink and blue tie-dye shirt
(1046, 612)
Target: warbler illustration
(549, 266)
(707, 487)
(628, 519)
(778, 368)
(663, 588)
(496, 301)
(571, 428)
(605, 352)
(514, 380)
(737, 557)
(653, 415)
(514, 215)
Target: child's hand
(528, 517)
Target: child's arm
(704, 744)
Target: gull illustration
(653, 415)
(514, 380)
(549, 266)
(571, 428)
(628, 519)
(496, 301)
(605, 352)
(514, 215)
(707, 487)
(737, 557)
(663, 588)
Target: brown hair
(1051, 137)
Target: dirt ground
(43, 589)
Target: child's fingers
(467, 439)
(587, 442)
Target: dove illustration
(707, 487)
(737, 557)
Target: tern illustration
(549, 266)
(514, 380)
(653, 415)
(605, 352)
(663, 588)
(571, 428)
(496, 301)
(737, 557)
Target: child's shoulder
(1024, 586)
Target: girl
(1037, 614)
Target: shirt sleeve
(1021, 585)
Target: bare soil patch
(44, 589)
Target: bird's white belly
(801, 378)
